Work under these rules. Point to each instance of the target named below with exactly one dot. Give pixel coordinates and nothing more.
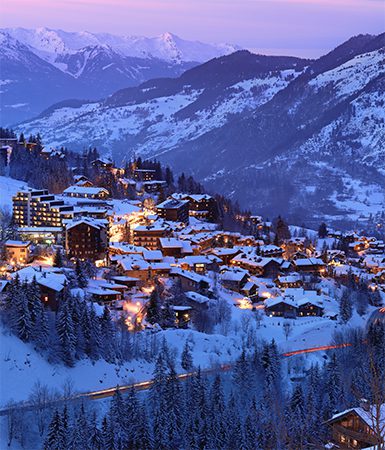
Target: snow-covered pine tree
(108, 333)
(186, 358)
(66, 334)
(95, 440)
(56, 438)
(346, 308)
(21, 315)
(80, 274)
(34, 298)
(153, 308)
(95, 339)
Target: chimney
(364, 404)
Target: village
(160, 259)
(133, 245)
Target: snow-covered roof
(269, 302)
(81, 190)
(190, 275)
(90, 221)
(152, 255)
(198, 298)
(14, 243)
(45, 276)
(172, 203)
(170, 243)
(289, 278)
(366, 415)
(309, 262)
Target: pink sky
(303, 27)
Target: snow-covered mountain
(300, 137)
(85, 66)
(49, 44)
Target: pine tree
(55, 438)
(346, 309)
(80, 274)
(95, 339)
(66, 334)
(108, 333)
(80, 433)
(40, 330)
(58, 259)
(322, 231)
(21, 316)
(152, 307)
(297, 418)
(95, 439)
(187, 361)
(282, 231)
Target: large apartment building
(36, 208)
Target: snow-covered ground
(8, 188)
(21, 367)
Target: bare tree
(40, 400)
(287, 328)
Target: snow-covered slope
(8, 188)
(155, 125)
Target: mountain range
(43, 66)
(304, 138)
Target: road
(145, 385)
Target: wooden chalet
(357, 428)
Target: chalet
(154, 186)
(309, 265)
(86, 238)
(257, 265)
(250, 290)
(199, 263)
(152, 256)
(197, 301)
(281, 307)
(182, 315)
(17, 252)
(270, 250)
(148, 236)
(102, 164)
(171, 247)
(191, 281)
(134, 266)
(174, 210)
(225, 254)
(289, 281)
(234, 279)
(129, 282)
(144, 174)
(356, 427)
(94, 193)
(201, 206)
(309, 307)
(103, 296)
(50, 281)
(374, 263)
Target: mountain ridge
(264, 127)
